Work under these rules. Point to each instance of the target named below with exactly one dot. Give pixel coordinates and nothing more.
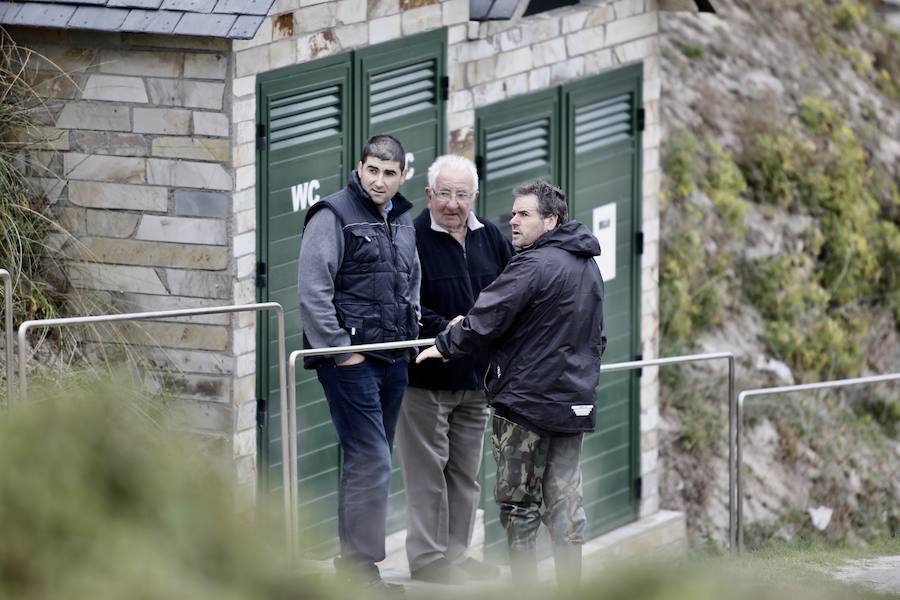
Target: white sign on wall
(604, 228)
(303, 195)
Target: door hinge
(639, 243)
(261, 138)
(641, 119)
(445, 88)
(479, 166)
(261, 280)
(638, 487)
(262, 413)
(640, 371)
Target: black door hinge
(261, 138)
(261, 280)
(639, 243)
(445, 88)
(641, 119)
(479, 166)
(638, 487)
(262, 413)
(640, 371)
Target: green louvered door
(313, 121)
(404, 86)
(604, 186)
(585, 138)
(305, 155)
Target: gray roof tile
(151, 21)
(151, 4)
(189, 6)
(207, 18)
(43, 15)
(201, 24)
(95, 17)
(243, 7)
(245, 27)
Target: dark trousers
(364, 400)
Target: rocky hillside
(781, 244)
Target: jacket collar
(398, 204)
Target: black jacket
(452, 278)
(542, 323)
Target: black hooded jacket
(541, 322)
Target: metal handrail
(187, 312)
(8, 301)
(623, 366)
(742, 398)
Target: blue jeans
(364, 400)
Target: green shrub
(691, 51)
(724, 184)
(848, 14)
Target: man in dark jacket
(359, 284)
(541, 322)
(444, 412)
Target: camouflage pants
(534, 469)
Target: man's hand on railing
(454, 321)
(430, 352)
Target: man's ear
(359, 168)
(403, 175)
(555, 219)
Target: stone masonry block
(245, 415)
(244, 200)
(352, 11)
(481, 71)
(244, 110)
(586, 40)
(110, 224)
(245, 177)
(628, 8)
(170, 121)
(315, 18)
(191, 94)
(456, 34)
(244, 389)
(117, 196)
(540, 30)
(144, 302)
(635, 50)
(115, 88)
(652, 89)
(420, 19)
(515, 85)
(115, 278)
(152, 254)
(469, 51)
(199, 284)
(454, 12)
(194, 148)
(568, 70)
(488, 93)
(649, 461)
(184, 230)
(108, 142)
(510, 63)
(210, 124)
(352, 36)
(188, 174)
(650, 419)
(245, 266)
(460, 120)
(649, 441)
(175, 335)
(245, 443)
(244, 291)
(574, 21)
(461, 100)
(381, 8)
(598, 62)
(545, 53)
(151, 64)
(251, 61)
(625, 30)
(189, 203)
(205, 66)
(188, 361)
(243, 340)
(244, 243)
(94, 115)
(538, 79)
(243, 154)
(282, 53)
(94, 167)
(599, 15)
(46, 138)
(384, 29)
(510, 39)
(243, 86)
(316, 45)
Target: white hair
(453, 161)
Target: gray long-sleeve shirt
(321, 255)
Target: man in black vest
(444, 413)
(359, 284)
(541, 322)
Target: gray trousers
(439, 440)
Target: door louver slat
(517, 149)
(603, 123)
(305, 117)
(402, 91)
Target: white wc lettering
(303, 195)
(410, 170)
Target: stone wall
(487, 62)
(135, 154)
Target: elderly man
(359, 284)
(444, 412)
(541, 322)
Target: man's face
(380, 178)
(527, 223)
(452, 198)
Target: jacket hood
(572, 237)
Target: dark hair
(551, 199)
(385, 147)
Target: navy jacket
(542, 324)
(452, 278)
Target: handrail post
(8, 329)
(732, 458)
